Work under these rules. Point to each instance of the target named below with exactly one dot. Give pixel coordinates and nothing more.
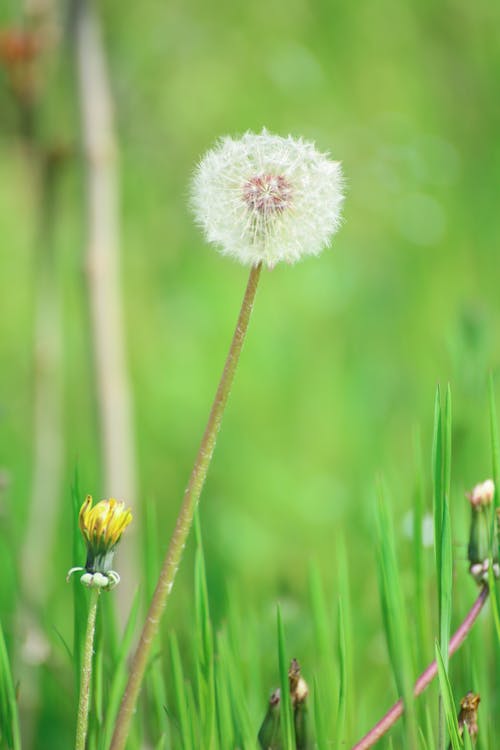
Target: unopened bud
(270, 733)
(483, 493)
(482, 547)
(299, 691)
(468, 715)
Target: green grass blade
(419, 566)
(342, 662)
(495, 603)
(205, 647)
(437, 474)
(446, 584)
(429, 729)
(323, 645)
(180, 695)
(322, 627)
(79, 600)
(447, 445)
(195, 727)
(64, 643)
(224, 713)
(319, 721)
(98, 685)
(119, 678)
(159, 698)
(423, 742)
(495, 461)
(492, 583)
(155, 682)
(442, 531)
(393, 611)
(495, 442)
(467, 739)
(448, 701)
(10, 733)
(287, 727)
(345, 648)
(243, 727)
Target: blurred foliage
(344, 351)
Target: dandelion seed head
(266, 198)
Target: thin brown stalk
(43, 171)
(184, 519)
(103, 261)
(394, 713)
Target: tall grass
(202, 690)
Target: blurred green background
(344, 351)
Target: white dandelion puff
(265, 198)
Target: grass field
(327, 442)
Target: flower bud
(101, 527)
(299, 691)
(270, 732)
(468, 715)
(482, 547)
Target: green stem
(184, 520)
(86, 673)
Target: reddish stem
(393, 714)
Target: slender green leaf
(448, 701)
(342, 662)
(495, 455)
(419, 566)
(119, 677)
(180, 695)
(287, 726)
(224, 713)
(442, 531)
(243, 726)
(446, 583)
(467, 739)
(156, 686)
(423, 742)
(322, 626)
(9, 719)
(79, 599)
(205, 648)
(345, 649)
(495, 441)
(492, 583)
(64, 643)
(393, 611)
(98, 684)
(319, 721)
(429, 729)
(437, 473)
(324, 645)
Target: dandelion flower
(101, 527)
(264, 198)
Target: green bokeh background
(344, 351)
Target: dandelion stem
(394, 713)
(86, 674)
(184, 519)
